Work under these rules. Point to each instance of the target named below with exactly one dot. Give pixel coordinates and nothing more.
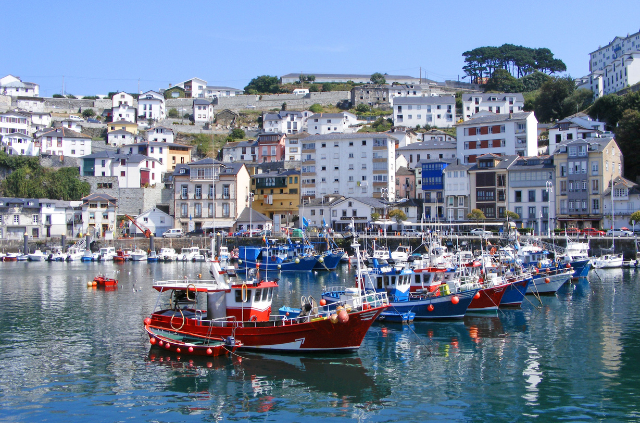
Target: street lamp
(549, 190)
(250, 217)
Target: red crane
(143, 229)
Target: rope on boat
(234, 353)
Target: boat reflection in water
(267, 376)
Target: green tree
(375, 216)
(549, 104)
(284, 106)
(316, 108)
(378, 78)
(578, 101)
(608, 109)
(634, 218)
(534, 81)
(58, 96)
(237, 134)
(327, 86)
(476, 215)
(87, 113)
(314, 88)
(398, 215)
(71, 96)
(173, 113)
(363, 108)
(628, 139)
(511, 215)
(264, 84)
(502, 81)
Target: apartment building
(456, 192)
(286, 122)
(625, 195)
(132, 170)
(488, 185)
(277, 194)
(584, 169)
(360, 164)
(427, 150)
(572, 128)
(327, 123)
(151, 106)
(405, 183)
(531, 185)
(498, 103)
(99, 215)
(167, 154)
(14, 87)
(209, 193)
(63, 142)
(271, 147)
(499, 134)
(437, 111)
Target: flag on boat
(324, 223)
(305, 222)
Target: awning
(221, 224)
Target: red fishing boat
(122, 256)
(198, 312)
(102, 280)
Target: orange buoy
(209, 351)
(477, 296)
(384, 330)
(343, 316)
(323, 302)
(547, 280)
(455, 299)
(430, 307)
(334, 318)
(147, 321)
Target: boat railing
(186, 283)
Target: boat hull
(581, 268)
(541, 286)
(168, 341)
(329, 262)
(443, 307)
(317, 335)
(489, 299)
(304, 264)
(514, 294)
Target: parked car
(593, 232)
(251, 232)
(572, 231)
(240, 232)
(173, 233)
(480, 232)
(410, 232)
(199, 232)
(265, 232)
(619, 232)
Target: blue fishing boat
(275, 259)
(515, 292)
(394, 316)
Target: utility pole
(63, 85)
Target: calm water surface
(68, 353)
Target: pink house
(271, 147)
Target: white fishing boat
(167, 254)
(608, 261)
(138, 255)
(37, 255)
(189, 254)
(57, 254)
(74, 254)
(106, 254)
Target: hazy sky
(109, 46)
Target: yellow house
(123, 124)
(277, 194)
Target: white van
(173, 233)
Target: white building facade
(63, 142)
(413, 153)
(491, 102)
(456, 192)
(327, 123)
(501, 134)
(286, 122)
(423, 111)
(151, 106)
(202, 111)
(14, 87)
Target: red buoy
(160, 343)
(455, 299)
(190, 349)
(430, 307)
(568, 265)
(152, 341)
(384, 330)
(209, 351)
(477, 296)
(167, 345)
(343, 316)
(547, 280)
(178, 350)
(147, 321)
(323, 302)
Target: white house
(151, 106)
(292, 146)
(202, 111)
(286, 122)
(124, 112)
(491, 102)
(242, 151)
(501, 134)
(167, 154)
(574, 127)
(63, 142)
(73, 122)
(19, 144)
(15, 121)
(121, 137)
(99, 215)
(194, 87)
(427, 150)
(157, 221)
(604, 56)
(40, 121)
(620, 73)
(217, 92)
(58, 217)
(121, 99)
(405, 136)
(437, 135)
(14, 87)
(360, 164)
(160, 134)
(326, 123)
(626, 197)
(456, 192)
(423, 111)
(132, 170)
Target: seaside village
(391, 153)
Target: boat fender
(254, 318)
(273, 258)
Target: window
(532, 196)
(532, 212)
(594, 168)
(518, 197)
(594, 186)
(184, 210)
(595, 206)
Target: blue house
(431, 182)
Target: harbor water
(72, 353)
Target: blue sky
(109, 46)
